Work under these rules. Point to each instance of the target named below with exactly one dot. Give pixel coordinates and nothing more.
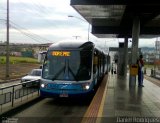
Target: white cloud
(147, 42)
(56, 17)
(48, 18)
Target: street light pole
(7, 43)
(82, 20)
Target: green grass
(14, 60)
(149, 66)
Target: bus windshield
(72, 65)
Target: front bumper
(64, 93)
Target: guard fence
(15, 95)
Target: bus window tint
(68, 67)
(84, 71)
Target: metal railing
(16, 94)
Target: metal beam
(113, 49)
(124, 30)
(110, 30)
(114, 2)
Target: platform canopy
(114, 18)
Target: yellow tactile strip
(93, 110)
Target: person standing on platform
(112, 69)
(140, 71)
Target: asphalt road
(50, 110)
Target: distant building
(157, 46)
(149, 58)
(41, 56)
(18, 54)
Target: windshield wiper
(65, 71)
(72, 72)
(58, 73)
(68, 69)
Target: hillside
(148, 49)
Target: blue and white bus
(72, 69)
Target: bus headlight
(86, 86)
(42, 85)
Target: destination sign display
(61, 53)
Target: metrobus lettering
(61, 53)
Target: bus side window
(95, 62)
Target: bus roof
(70, 45)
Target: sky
(47, 21)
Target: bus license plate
(63, 95)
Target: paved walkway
(122, 101)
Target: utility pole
(7, 43)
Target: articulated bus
(72, 69)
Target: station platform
(122, 103)
(114, 102)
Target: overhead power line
(33, 34)
(40, 10)
(26, 34)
